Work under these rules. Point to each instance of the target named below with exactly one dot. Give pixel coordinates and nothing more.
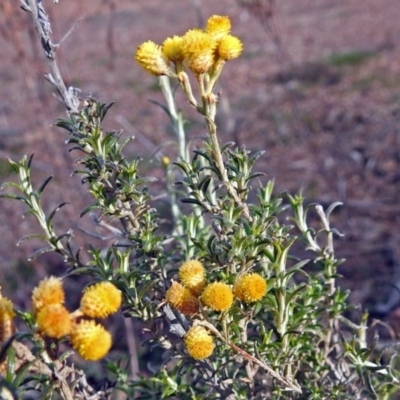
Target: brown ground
(318, 87)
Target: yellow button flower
(49, 291)
(199, 343)
(218, 26)
(250, 287)
(150, 57)
(101, 300)
(173, 50)
(192, 276)
(7, 315)
(182, 299)
(90, 340)
(218, 296)
(230, 47)
(54, 321)
(199, 50)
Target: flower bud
(54, 321)
(172, 49)
(100, 300)
(90, 340)
(7, 315)
(198, 49)
(218, 26)
(218, 296)
(230, 47)
(182, 299)
(250, 287)
(192, 276)
(199, 343)
(150, 57)
(49, 291)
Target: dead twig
(42, 25)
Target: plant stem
(283, 311)
(209, 110)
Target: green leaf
(226, 146)
(332, 207)
(255, 175)
(203, 185)
(44, 184)
(6, 345)
(30, 159)
(292, 295)
(10, 184)
(191, 201)
(162, 106)
(51, 216)
(89, 208)
(13, 197)
(103, 108)
(39, 252)
(31, 236)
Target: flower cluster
(183, 296)
(87, 337)
(186, 295)
(202, 51)
(53, 319)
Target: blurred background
(317, 87)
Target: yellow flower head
(250, 287)
(192, 276)
(49, 291)
(54, 321)
(218, 296)
(150, 57)
(172, 49)
(218, 26)
(165, 161)
(198, 49)
(90, 340)
(182, 299)
(230, 47)
(6, 319)
(100, 300)
(199, 343)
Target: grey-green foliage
(295, 343)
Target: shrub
(233, 311)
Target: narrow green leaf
(39, 252)
(44, 184)
(31, 236)
(162, 106)
(51, 216)
(10, 184)
(226, 146)
(14, 197)
(190, 201)
(88, 209)
(332, 207)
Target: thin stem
(249, 357)
(176, 118)
(283, 311)
(217, 156)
